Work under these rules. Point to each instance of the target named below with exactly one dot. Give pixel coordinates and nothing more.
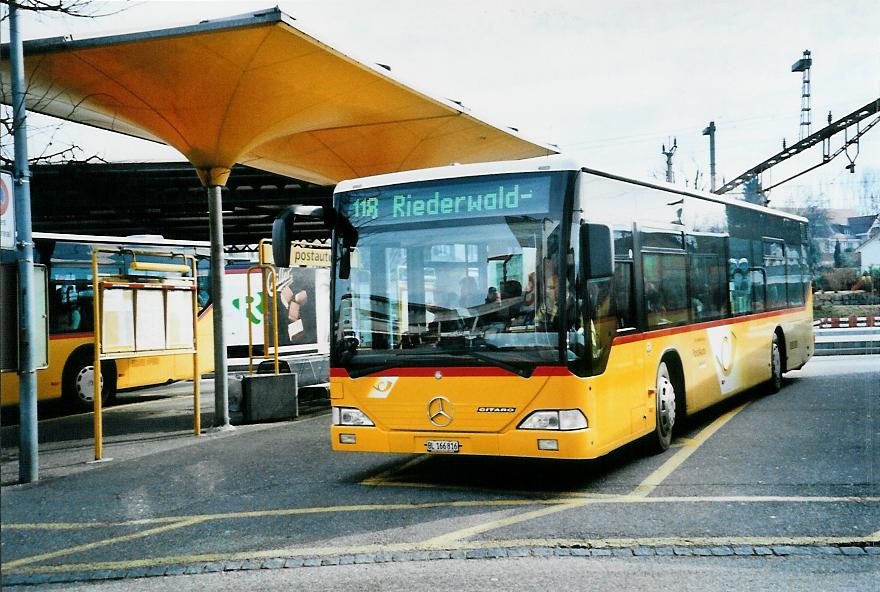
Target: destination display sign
(464, 198)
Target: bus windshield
(460, 272)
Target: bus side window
(602, 321)
(57, 319)
(204, 280)
(774, 263)
(759, 290)
(70, 307)
(665, 289)
(707, 279)
(624, 291)
(623, 295)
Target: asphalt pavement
(750, 490)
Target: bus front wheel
(78, 381)
(665, 410)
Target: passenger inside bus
(547, 314)
(529, 295)
(511, 296)
(65, 310)
(74, 316)
(470, 293)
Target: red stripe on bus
(72, 336)
(702, 326)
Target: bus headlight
(349, 416)
(557, 419)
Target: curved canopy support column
(214, 178)
(221, 368)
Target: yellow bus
(539, 308)
(70, 373)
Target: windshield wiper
(395, 361)
(500, 363)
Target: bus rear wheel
(774, 385)
(78, 381)
(665, 410)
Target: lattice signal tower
(803, 65)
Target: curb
(846, 550)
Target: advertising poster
(301, 305)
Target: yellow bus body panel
(719, 359)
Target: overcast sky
(609, 81)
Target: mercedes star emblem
(440, 411)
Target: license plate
(442, 445)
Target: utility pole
(668, 154)
(28, 460)
(710, 131)
(803, 65)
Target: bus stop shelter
(256, 89)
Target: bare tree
(53, 148)
(869, 198)
(79, 8)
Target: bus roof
(558, 162)
(140, 240)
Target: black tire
(774, 385)
(665, 406)
(77, 381)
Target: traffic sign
(7, 212)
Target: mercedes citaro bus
(539, 308)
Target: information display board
(138, 319)
(144, 313)
(117, 320)
(179, 320)
(149, 320)
(9, 311)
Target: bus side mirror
(283, 230)
(597, 251)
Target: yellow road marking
(558, 504)
(87, 525)
(595, 498)
(305, 552)
(688, 447)
(646, 487)
(490, 490)
(463, 533)
(643, 489)
(101, 543)
(280, 512)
